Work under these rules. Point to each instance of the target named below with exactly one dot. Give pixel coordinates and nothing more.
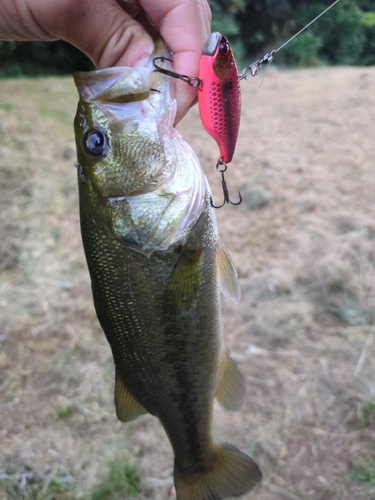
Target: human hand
(116, 33)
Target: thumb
(102, 30)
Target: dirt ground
(303, 242)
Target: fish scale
(147, 335)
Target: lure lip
(211, 44)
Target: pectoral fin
(232, 387)
(182, 289)
(127, 408)
(227, 273)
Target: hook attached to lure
(193, 81)
(221, 167)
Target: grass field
(303, 242)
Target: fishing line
(307, 25)
(267, 58)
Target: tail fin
(231, 474)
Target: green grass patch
(62, 116)
(32, 486)
(6, 106)
(366, 413)
(122, 481)
(65, 412)
(362, 474)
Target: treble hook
(222, 170)
(193, 81)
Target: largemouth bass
(157, 265)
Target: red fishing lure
(219, 100)
(219, 94)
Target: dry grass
(303, 243)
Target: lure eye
(96, 142)
(224, 48)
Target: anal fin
(232, 387)
(127, 407)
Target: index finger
(185, 26)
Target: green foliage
(224, 21)
(304, 51)
(344, 35)
(368, 19)
(122, 482)
(345, 43)
(41, 58)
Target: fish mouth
(122, 84)
(119, 84)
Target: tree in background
(253, 27)
(263, 25)
(41, 58)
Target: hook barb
(192, 81)
(224, 186)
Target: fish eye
(96, 142)
(224, 47)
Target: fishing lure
(219, 94)
(219, 100)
